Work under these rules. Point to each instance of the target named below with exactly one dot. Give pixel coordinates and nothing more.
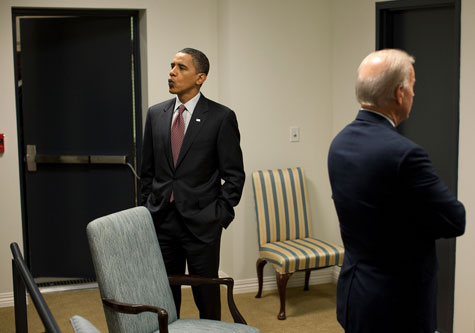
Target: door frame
(137, 104)
(384, 20)
(384, 23)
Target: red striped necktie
(176, 136)
(177, 133)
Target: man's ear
(399, 94)
(201, 78)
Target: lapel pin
(198, 120)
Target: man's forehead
(182, 58)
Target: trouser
(180, 247)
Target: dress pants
(180, 247)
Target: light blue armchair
(133, 282)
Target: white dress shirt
(190, 107)
(382, 115)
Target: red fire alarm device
(2, 143)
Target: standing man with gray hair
(391, 206)
(192, 176)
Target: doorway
(79, 125)
(430, 31)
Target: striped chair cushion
(300, 254)
(281, 205)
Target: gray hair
(379, 90)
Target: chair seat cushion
(300, 254)
(208, 326)
(82, 325)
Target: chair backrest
(129, 268)
(22, 278)
(281, 202)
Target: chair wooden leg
(307, 278)
(282, 280)
(260, 263)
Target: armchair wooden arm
(193, 280)
(139, 308)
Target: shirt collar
(382, 115)
(190, 105)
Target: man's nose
(172, 72)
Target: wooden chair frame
(178, 280)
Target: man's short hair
(199, 59)
(379, 90)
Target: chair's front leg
(282, 280)
(307, 279)
(260, 263)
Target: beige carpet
(311, 311)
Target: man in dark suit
(192, 176)
(391, 205)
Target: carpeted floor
(311, 311)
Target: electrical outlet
(294, 134)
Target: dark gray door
(77, 133)
(429, 30)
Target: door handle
(32, 159)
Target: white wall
(275, 72)
(10, 219)
(465, 268)
(277, 64)
(353, 36)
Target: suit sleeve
(147, 167)
(231, 166)
(439, 213)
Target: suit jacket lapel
(165, 124)
(196, 123)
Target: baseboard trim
(327, 275)
(70, 287)
(6, 300)
(322, 276)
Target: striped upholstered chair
(284, 229)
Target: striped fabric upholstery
(284, 227)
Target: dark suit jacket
(392, 207)
(210, 153)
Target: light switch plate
(294, 134)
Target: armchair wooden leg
(260, 263)
(282, 280)
(307, 279)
